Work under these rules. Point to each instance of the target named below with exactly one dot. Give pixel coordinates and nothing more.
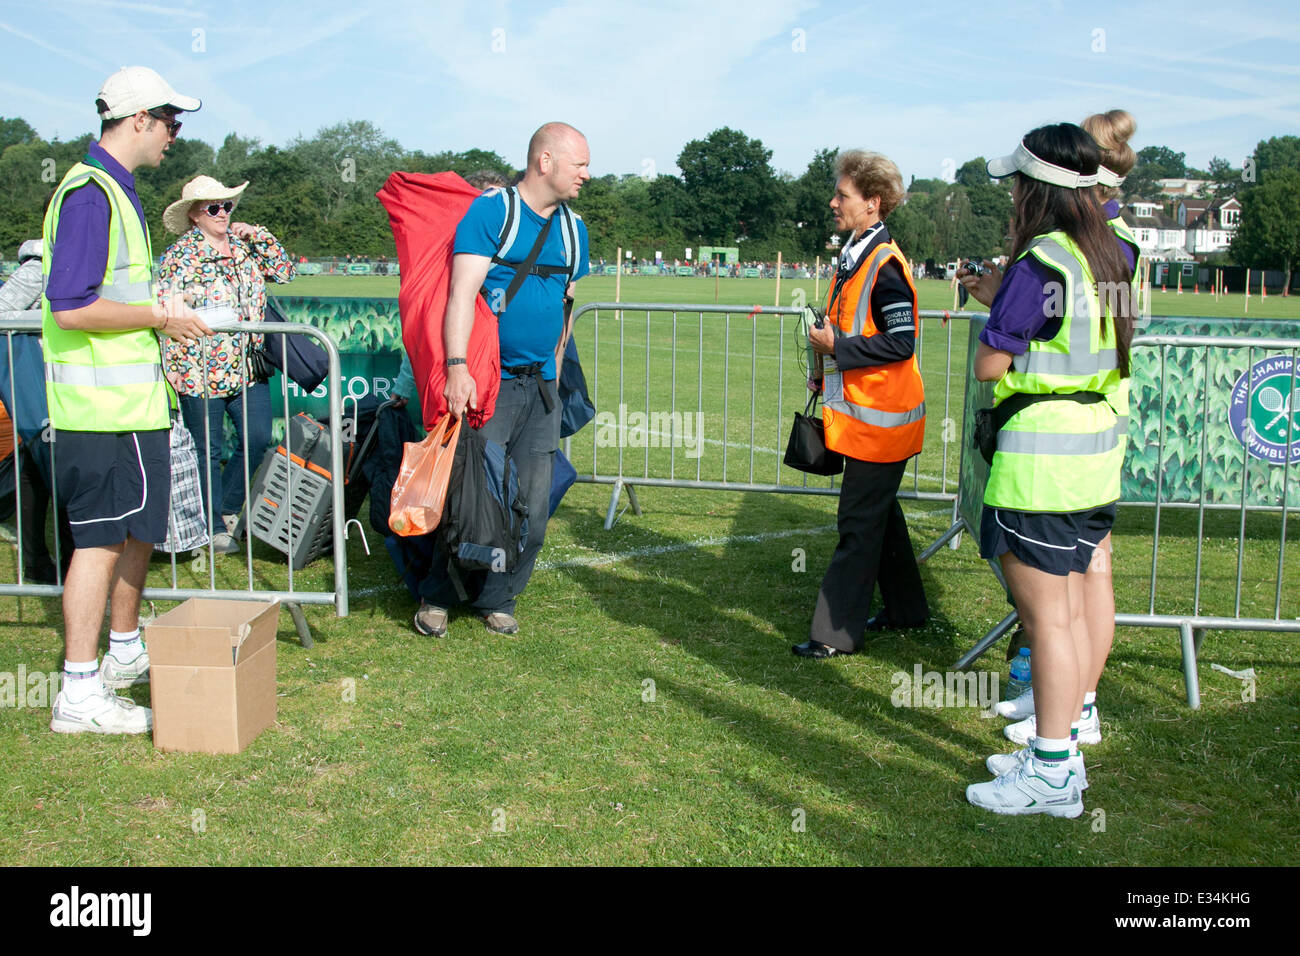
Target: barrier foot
(612, 514)
(943, 539)
(1191, 644)
(300, 623)
(987, 641)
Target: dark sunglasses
(173, 125)
(213, 208)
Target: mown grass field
(650, 711)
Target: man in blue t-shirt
(533, 333)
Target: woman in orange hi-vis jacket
(874, 414)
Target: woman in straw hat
(219, 264)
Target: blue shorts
(1055, 542)
(114, 485)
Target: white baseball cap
(135, 88)
(1035, 167)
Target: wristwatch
(455, 361)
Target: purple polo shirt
(1019, 313)
(80, 253)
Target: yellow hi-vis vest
(105, 381)
(1063, 456)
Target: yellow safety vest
(105, 381)
(1063, 456)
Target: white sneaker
(223, 543)
(230, 521)
(1000, 764)
(115, 674)
(109, 714)
(1025, 791)
(1026, 730)
(1018, 708)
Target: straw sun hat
(200, 189)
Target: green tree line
(318, 195)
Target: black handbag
(806, 450)
(260, 366)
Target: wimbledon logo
(1263, 419)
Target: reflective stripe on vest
(88, 376)
(1060, 443)
(1082, 312)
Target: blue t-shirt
(530, 329)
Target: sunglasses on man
(173, 125)
(216, 208)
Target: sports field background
(650, 710)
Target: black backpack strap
(525, 267)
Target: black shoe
(882, 623)
(817, 650)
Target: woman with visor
(1057, 345)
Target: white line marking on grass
(614, 557)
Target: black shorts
(114, 485)
(1057, 543)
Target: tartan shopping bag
(187, 525)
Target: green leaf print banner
(1199, 444)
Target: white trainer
(108, 714)
(1018, 708)
(1000, 764)
(1025, 791)
(1023, 732)
(117, 675)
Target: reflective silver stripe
(1058, 443)
(88, 376)
(874, 416)
(864, 300)
(126, 293)
(1082, 312)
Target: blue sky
(929, 84)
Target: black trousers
(874, 548)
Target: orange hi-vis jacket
(875, 413)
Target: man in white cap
(110, 404)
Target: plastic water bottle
(1020, 675)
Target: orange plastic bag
(420, 490)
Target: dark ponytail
(1042, 207)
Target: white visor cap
(1023, 161)
(135, 88)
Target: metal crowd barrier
(1193, 626)
(292, 597)
(748, 398)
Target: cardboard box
(212, 674)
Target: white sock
(1074, 739)
(1090, 698)
(125, 646)
(81, 681)
(1051, 759)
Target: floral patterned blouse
(191, 267)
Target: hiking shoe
(1024, 791)
(431, 620)
(1026, 730)
(1017, 708)
(115, 674)
(1000, 764)
(109, 714)
(498, 622)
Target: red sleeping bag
(424, 211)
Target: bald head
(554, 138)
(558, 158)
